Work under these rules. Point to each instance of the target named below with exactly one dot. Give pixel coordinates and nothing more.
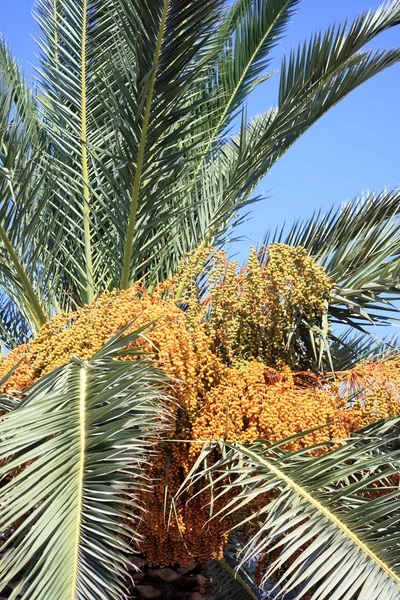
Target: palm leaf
(81, 436)
(227, 585)
(75, 41)
(63, 87)
(315, 78)
(330, 531)
(25, 107)
(134, 170)
(160, 181)
(152, 109)
(248, 34)
(14, 329)
(209, 207)
(349, 349)
(25, 193)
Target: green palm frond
(141, 103)
(144, 174)
(228, 585)
(308, 69)
(348, 349)
(119, 144)
(63, 82)
(152, 116)
(76, 40)
(315, 78)
(248, 35)
(25, 110)
(234, 192)
(14, 329)
(209, 208)
(320, 522)
(26, 188)
(79, 441)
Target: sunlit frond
(317, 517)
(79, 441)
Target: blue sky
(353, 148)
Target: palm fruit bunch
(262, 310)
(240, 368)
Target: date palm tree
(120, 161)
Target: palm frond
(75, 42)
(159, 177)
(248, 35)
(320, 74)
(14, 328)
(25, 108)
(208, 207)
(315, 78)
(319, 520)
(234, 157)
(129, 108)
(25, 191)
(63, 84)
(79, 441)
(227, 585)
(153, 109)
(349, 349)
(307, 69)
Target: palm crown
(119, 163)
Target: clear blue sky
(353, 148)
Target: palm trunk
(170, 583)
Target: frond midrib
(81, 467)
(85, 168)
(126, 267)
(34, 306)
